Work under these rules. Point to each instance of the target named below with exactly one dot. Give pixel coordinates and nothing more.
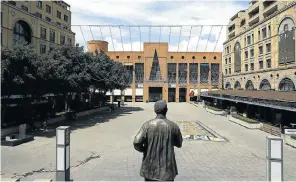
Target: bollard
(274, 159)
(63, 153)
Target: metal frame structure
(276, 104)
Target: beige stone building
(157, 73)
(42, 23)
(259, 52)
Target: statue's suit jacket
(156, 139)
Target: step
(10, 179)
(42, 180)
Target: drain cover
(193, 130)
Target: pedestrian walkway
(102, 149)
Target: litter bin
(118, 102)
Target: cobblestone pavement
(101, 149)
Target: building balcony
(270, 9)
(253, 9)
(254, 19)
(231, 34)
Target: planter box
(16, 142)
(290, 141)
(243, 123)
(215, 112)
(12, 130)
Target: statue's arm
(139, 140)
(179, 138)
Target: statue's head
(160, 107)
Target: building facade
(259, 52)
(44, 24)
(160, 74)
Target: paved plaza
(102, 149)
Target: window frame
(47, 9)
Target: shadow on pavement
(87, 121)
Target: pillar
(165, 92)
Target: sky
(132, 13)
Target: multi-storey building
(41, 23)
(160, 74)
(259, 52)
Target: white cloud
(92, 12)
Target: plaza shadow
(86, 121)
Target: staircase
(273, 130)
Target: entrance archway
(286, 84)
(237, 85)
(249, 85)
(265, 85)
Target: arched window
(227, 86)
(237, 57)
(286, 41)
(249, 85)
(265, 85)
(286, 85)
(22, 32)
(237, 85)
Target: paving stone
(110, 135)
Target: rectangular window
(66, 18)
(42, 48)
(252, 53)
(59, 15)
(249, 40)
(269, 31)
(259, 35)
(246, 54)
(204, 73)
(38, 15)
(42, 33)
(264, 33)
(69, 40)
(225, 60)
(39, 4)
(62, 39)
(268, 63)
(48, 8)
(227, 50)
(260, 49)
(229, 71)
(52, 36)
(229, 61)
(245, 41)
(47, 19)
(260, 65)
(215, 67)
(172, 73)
(182, 73)
(25, 8)
(139, 73)
(252, 66)
(268, 47)
(252, 38)
(246, 67)
(193, 72)
(225, 71)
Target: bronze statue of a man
(156, 139)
